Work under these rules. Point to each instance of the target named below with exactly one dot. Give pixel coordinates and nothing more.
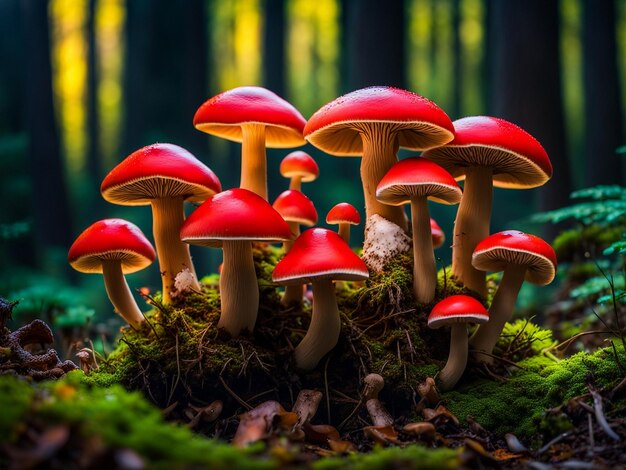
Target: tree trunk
(51, 214)
(603, 113)
(375, 43)
(457, 62)
(526, 86)
(274, 46)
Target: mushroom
(296, 209)
(486, 152)
(163, 176)
(522, 257)
(300, 168)
(415, 180)
(438, 235)
(232, 219)
(114, 247)
(257, 118)
(374, 122)
(344, 215)
(456, 311)
(319, 256)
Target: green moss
(411, 457)
(15, 397)
(518, 404)
(522, 339)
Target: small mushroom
(114, 247)
(344, 215)
(319, 256)
(300, 168)
(257, 118)
(438, 235)
(456, 311)
(296, 209)
(522, 257)
(422, 430)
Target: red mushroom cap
(301, 164)
(223, 115)
(319, 253)
(417, 177)
(235, 214)
(111, 239)
(457, 309)
(294, 206)
(343, 213)
(331, 128)
(496, 251)
(159, 170)
(437, 233)
(517, 158)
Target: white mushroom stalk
(167, 217)
(424, 268)
(471, 226)
(457, 357)
(253, 159)
(119, 293)
(323, 332)
(239, 289)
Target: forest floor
(179, 376)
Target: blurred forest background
(83, 83)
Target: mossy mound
(180, 356)
(519, 403)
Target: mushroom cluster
(373, 123)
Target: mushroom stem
(424, 269)
(380, 145)
(471, 226)
(293, 293)
(238, 288)
(323, 332)
(253, 160)
(457, 358)
(119, 293)
(167, 217)
(296, 183)
(344, 232)
(500, 311)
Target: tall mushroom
(414, 181)
(114, 247)
(319, 256)
(300, 168)
(232, 220)
(522, 257)
(257, 118)
(163, 176)
(296, 209)
(486, 152)
(344, 215)
(373, 123)
(456, 311)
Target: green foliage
(603, 205)
(518, 404)
(411, 457)
(522, 339)
(15, 397)
(78, 316)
